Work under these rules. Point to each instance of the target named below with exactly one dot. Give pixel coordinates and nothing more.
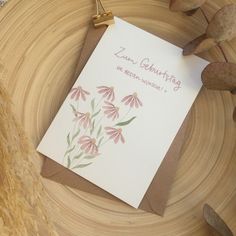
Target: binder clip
(103, 17)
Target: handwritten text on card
(147, 65)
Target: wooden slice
(40, 44)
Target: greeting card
(122, 114)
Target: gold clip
(102, 17)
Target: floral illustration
(78, 92)
(107, 92)
(111, 111)
(100, 123)
(132, 100)
(83, 119)
(115, 134)
(88, 145)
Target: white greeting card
(122, 114)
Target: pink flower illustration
(115, 134)
(83, 118)
(111, 111)
(78, 92)
(88, 145)
(107, 92)
(132, 100)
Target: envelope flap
(51, 168)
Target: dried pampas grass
(3, 2)
(22, 198)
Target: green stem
(126, 114)
(98, 123)
(101, 99)
(105, 142)
(73, 133)
(79, 158)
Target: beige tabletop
(40, 41)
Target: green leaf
(92, 104)
(82, 165)
(70, 150)
(99, 131)
(126, 122)
(75, 135)
(78, 156)
(90, 157)
(95, 114)
(92, 129)
(100, 141)
(68, 139)
(68, 162)
(73, 107)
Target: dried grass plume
(22, 198)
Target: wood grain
(40, 43)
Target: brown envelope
(156, 196)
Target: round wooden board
(40, 42)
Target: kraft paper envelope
(157, 194)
